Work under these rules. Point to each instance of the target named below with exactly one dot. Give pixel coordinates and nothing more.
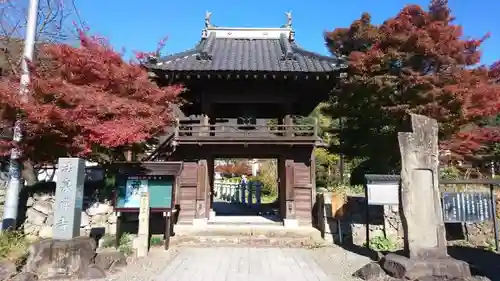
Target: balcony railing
(246, 131)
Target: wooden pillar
(129, 156)
(282, 186)
(312, 167)
(290, 192)
(288, 120)
(201, 192)
(205, 111)
(211, 170)
(204, 122)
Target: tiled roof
(241, 50)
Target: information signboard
(129, 189)
(467, 207)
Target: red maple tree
(417, 61)
(85, 101)
(238, 168)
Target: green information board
(129, 189)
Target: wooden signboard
(157, 179)
(338, 204)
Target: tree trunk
(29, 173)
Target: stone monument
(69, 198)
(420, 208)
(143, 232)
(425, 254)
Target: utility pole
(15, 179)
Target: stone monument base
(70, 259)
(397, 267)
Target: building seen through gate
(246, 89)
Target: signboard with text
(467, 207)
(130, 187)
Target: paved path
(243, 264)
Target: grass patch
(156, 241)
(126, 246)
(108, 241)
(382, 244)
(14, 246)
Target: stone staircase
(233, 235)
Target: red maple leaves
(417, 62)
(238, 168)
(86, 100)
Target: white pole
(15, 180)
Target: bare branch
(54, 25)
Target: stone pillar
(237, 193)
(288, 122)
(243, 188)
(69, 198)
(143, 230)
(232, 192)
(250, 194)
(420, 197)
(258, 198)
(420, 209)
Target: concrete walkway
(222, 207)
(243, 264)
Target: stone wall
(385, 221)
(36, 210)
(39, 216)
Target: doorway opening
(246, 191)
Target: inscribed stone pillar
(69, 198)
(420, 197)
(143, 231)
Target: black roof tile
(247, 54)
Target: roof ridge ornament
(288, 20)
(208, 24)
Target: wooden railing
(246, 131)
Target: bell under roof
(247, 50)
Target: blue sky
(138, 25)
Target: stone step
(243, 241)
(245, 220)
(245, 235)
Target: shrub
(108, 241)
(268, 177)
(382, 244)
(126, 246)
